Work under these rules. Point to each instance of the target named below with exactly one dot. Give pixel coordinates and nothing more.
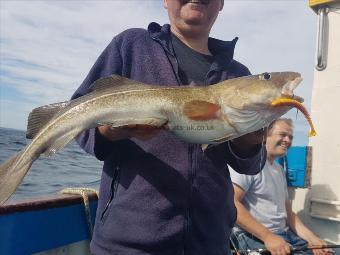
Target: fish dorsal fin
(118, 82)
(39, 117)
(201, 110)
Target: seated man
(264, 213)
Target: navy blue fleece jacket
(162, 196)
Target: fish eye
(266, 76)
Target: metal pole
(321, 58)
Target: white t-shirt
(265, 195)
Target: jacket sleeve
(109, 62)
(251, 165)
(222, 155)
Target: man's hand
(246, 144)
(253, 138)
(276, 245)
(315, 241)
(142, 132)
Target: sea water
(70, 167)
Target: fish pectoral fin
(201, 110)
(118, 83)
(39, 117)
(60, 142)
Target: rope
(84, 193)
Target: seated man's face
(279, 139)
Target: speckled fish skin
(233, 108)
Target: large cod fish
(230, 109)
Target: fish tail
(12, 173)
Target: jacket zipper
(113, 188)
(191, 177)
(172, 59)
(174, 64)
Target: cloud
(274, 36)
(48, 47)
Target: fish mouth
(293, 97)
(288, 89)
(297, 98)
(291, 103)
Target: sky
(48, 47)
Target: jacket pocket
(113, 189)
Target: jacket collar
(222, 50)
(162, 34)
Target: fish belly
(202, 132)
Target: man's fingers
(280, 251)
(287, 249)
(256, 137)
(142, 132)
(145, 132)
(130, 126)
(317, 252)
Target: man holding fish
(159, 195)
(161, 191)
